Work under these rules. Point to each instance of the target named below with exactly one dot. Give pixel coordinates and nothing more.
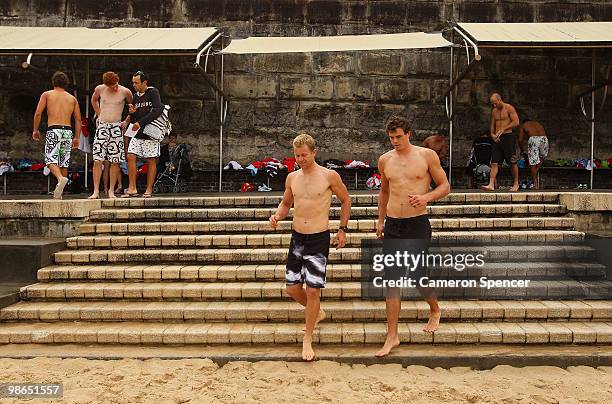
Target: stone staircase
(209, 270)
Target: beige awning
(412, 40)
(540, 34)
(78, 40)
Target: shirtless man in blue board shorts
(406, 174)
(310, 190)
(59, 139)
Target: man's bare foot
(95, 195)
(307, 351)
(487, 188)
(389, 345)
(434, 321)
(320, 317)
(111, 196)
(514, 188)
(59, 188)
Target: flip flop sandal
(128, 195)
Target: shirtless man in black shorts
(406, 173)
(310, 189)
(505, 147)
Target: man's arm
(285, 204)
(129, 99)
(95, 100)
(383, 198)
(42, 104)
(514, 119)
(521, 138)
(156, 109)
(493, 123)
(439, 177)
(339, 189)
(76, 112)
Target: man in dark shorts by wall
(310, 190)
(504, 120)
(406, 173)
(59, 139)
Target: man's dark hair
(60, 79)
(395, 122)
(141, 75)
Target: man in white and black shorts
(537, 147)
(59, 139)
(146, 108)
(310, 190)
(108, 101)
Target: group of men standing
(111, 144)
(407, 173)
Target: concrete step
(185, 214)
(208, 291)
(213, 273)
(337, 311)
(134, 333)
(347, 255)
(447, 356)
(361, 199)
(283, 240)
(361, 225)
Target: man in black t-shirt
(146, 108)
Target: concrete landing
(444, 356)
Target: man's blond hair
(305, 139)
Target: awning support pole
(222, 115)
(594, 115)
(453, 83)
(220, 96)
(87, 116)
(592, 118)
(449, 114)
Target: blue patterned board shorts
(58, 144)
(307, 261)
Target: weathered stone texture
(335, 96)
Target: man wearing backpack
(146, 108)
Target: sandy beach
(201, 380)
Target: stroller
(479, 164)
(174, 172)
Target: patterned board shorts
(307, 261)
(537, 149)
(58, 144)
(108, 143)
(144, 148)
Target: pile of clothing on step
(583, 163)
(352, 164)
(271, 166)
(268, 166)
(6, 167)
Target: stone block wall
(341, 98)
